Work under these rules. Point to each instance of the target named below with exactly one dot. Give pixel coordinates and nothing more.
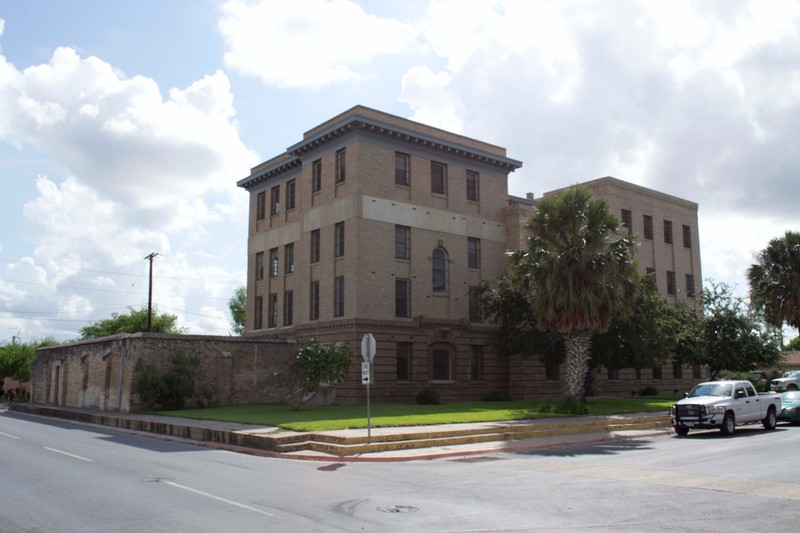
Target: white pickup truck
(723, 405)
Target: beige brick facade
(459, 220)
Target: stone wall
(98, 374)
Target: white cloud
(308, 43)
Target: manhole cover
(397, 509)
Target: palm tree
(775, 281)
(581, 274)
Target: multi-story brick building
(377, 224)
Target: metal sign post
(368, 354)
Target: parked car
(723, 405)
(790, 403)
(787, 382)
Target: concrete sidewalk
(379, 444)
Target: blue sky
(124, 126)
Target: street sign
(365, 373)
(368, 348)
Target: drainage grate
(397, 509)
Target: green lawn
(387, 415)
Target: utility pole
(150, 294)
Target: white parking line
(218, 498)
(9, 436)
(69, 454)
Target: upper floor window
(648, 227)
(275, 201)
(272, 321)
(314, 251)
(690, 285)
(338, 296)
(476, 364)
(475, 305)
(687, 237)
(259, 266)
(438, 178)
(473, 253)
(288, 258)
(340, 166)
(402, 242)
(667, 232)
(627, 220)
(338, 239)
(439, 270)
(402, 298)
(316, 175)
(258, 315)
(261, 205)
(403, 361)
(671, 289)
(273, 262)
(313, 301)
(291, 187)
(472, 186)
(288, 308)
(401, 168)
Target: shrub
(315, 366)
(649, 391)
(497, 396)
(428, 396)
(171, 389)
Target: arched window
(439, 270)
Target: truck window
(740, 393)
(750, 390)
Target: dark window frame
(647, 220)
(473, 186)
(402, 242)
(687, 236)
(476, 364)
(473, 253)
(272, 316)
(627, 220)
(288, 308)
(291, 194)
(475, 311)
(288, 259)
(275, 201)
(274, 263)
(314, 246)
(313, 301)
(672, 288)
(403, 360)
(402, 169)
(316, 176)
(668, 232)
(259, 266)
(261, 205)
(341, 165)
(258, 312)
(402, 298)
(338, 296)
(438, 178)
(338, 240)
(439, 270)
(442, 365)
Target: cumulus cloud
(308, 43)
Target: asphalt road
(63, 478)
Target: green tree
(577, 274)
(775, 281)
(169, 389)
(793, 345)
(238, 306)
(646, 338)
(315, 365)
(729, 335)
(16, 360)
(134, 321)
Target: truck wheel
(770, 421)
(682, 432)
(728, 424)
(791, 386)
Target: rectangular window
(438, 178)
(657, 372)
(475, 304)
(291, 187)
(677, 370)
(402, 242)
(403, 362)
(316, 175)
(273, 311)
(696, 372)
(315, 246)
(338, 296)
(690, 285)
(648, 227)
(275, 201)
(288, 258)
(627, 220)
(273, 262)
(259, 266)
(258, 315)
(340, 166)
(687, 237)
(638, 374)
(472, 186)
(338, 240)
(401, 167)
(551, 371)
(613, 374)
(671, 289)
(288, 308)
(476, 364)
(261, 206)
(313, 301)
(473, 253)
(441, 366)
(402, 298)
(667, 232)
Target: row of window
(551, 371)
(402, 176)
(647, 220)
(672, 284)
(402, 249)
(288, 305)
(288, 253)
(442, 365)
(402, 300)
